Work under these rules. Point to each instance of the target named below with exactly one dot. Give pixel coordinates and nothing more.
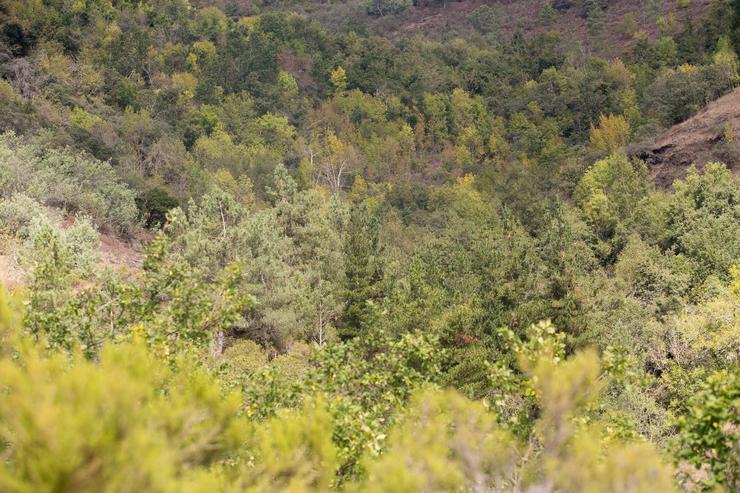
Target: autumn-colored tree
(611, 135)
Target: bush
(385, 7)
(655, 279)
(73, 249)
(485, 19)
(127, 423)
(154, 205)
(69, 180)
(48, 246)
(16, 214)
(709, 433)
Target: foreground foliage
(363, 263)
(134, 421)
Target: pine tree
(363, 267)
(595, 11)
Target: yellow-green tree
(611, 135)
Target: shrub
(16, 214)
(154, 205)
(385, 7)
(67, 179)
(50, 247)
(710, 432)
(485, 19)
(127, 423)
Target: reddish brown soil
(121, 254)
(699, 140)
(12, 275)
(451, 20)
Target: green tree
(612, 134)
(702, 221)
(607, 194)
(386, 7)
(708, 433)
(363, 267)
(486, 19)
(154, 205)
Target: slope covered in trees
(370, 262)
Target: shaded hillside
(249, 247)
(610, 35)
(710, 135)
(528, 16)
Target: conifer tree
(363, 265)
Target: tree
(567, 260)
(607, 194)
(338, 79)
(595, 13)
(708, 433)
(385, 7)
(435, 111)
(612, 134)
(548, 14)
(154, 205)
(702, 221)
(337, 160)
(363, 267)
(726, 58)
(485, 19)
(629, 25)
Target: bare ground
(120, 254)
(123, 256)
(12, 275)
(701, 139)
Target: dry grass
(698, 140)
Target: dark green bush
(154, 204)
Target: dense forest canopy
(367, 246)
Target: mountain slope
(710, 135)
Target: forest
(403, 246)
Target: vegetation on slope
(375, 265)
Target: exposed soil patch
(12, 275)
(121, 254)
(713, 134)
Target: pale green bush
(16, 214)
(74, 249)
(67, 179)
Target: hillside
(710, 135)
(377, 246)
(456, 19)
(453, 18)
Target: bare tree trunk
(217, 345)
